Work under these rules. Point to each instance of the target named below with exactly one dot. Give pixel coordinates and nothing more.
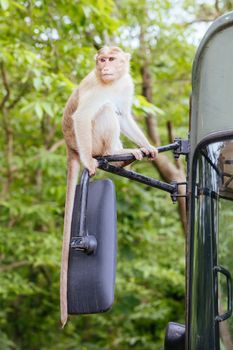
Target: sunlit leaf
(48, 108)
(39, 109)
(37, 82)
(4, 4)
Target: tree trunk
(226, 335)
(167, 170)
(7, 127)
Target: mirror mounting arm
(132, 175)
(178, 147)
(83, 241)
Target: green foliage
(46, 49)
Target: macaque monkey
(95, 114)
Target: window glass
(225, 236)
(212, 245)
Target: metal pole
(130, 156)
(83, 193)
(132, 175)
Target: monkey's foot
(92, 165)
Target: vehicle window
(225, 258)
(212, 245)
(220, 156)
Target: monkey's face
(111, 67)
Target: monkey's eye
(112, 58)
(102, 59)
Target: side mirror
(92, 256)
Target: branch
(6, 85)
(198, 20)
(14, 265)
(56, 145)
(17, 99)
(216, 5)
(90, 37)
(168, 171)
(207, 19)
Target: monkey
(96, 113)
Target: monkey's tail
(73, 167)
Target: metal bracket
(83, 241)
(178, 147)
(132, 175)
(175, 195)
(183, 147)
(86, 244)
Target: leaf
(19, 6)
(37, 83)
(39, 110)
(141, 103)
(27, 107)
(48, 108)
(47, 81)
(67, 81)
(4, 4)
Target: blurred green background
(46, 48)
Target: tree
(46, 48)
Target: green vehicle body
(210, 188)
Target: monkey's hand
(150, 151)
(137, 153)
(92, 165)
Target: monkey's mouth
(107, 75)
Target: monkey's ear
(128, 56)
(95, 57)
